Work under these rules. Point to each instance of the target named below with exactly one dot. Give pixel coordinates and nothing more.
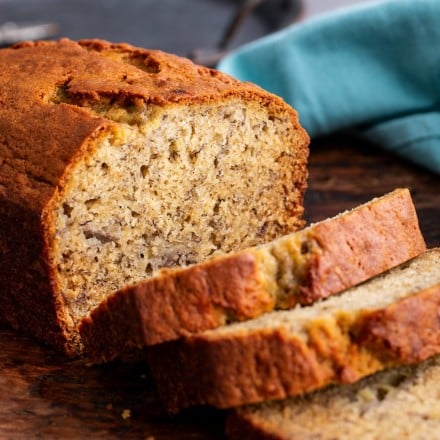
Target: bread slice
(388, 321)
(399, 403)
(117, 161)
(299, 268)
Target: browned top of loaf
(41, 134)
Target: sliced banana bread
(399, 403)
(117, 161)
(299, 268)
(387, 321)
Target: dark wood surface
(43, 395)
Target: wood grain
(43, 395)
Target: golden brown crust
(174, 304)
(406, 332)
(47, 124)
(232, 370)
(27, 302)
(352, 252)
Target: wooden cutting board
(44, 395)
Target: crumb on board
(126, 414)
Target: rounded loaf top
(50, 90)
(90, 70)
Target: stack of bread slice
(351, 296)
(387, 321)
(321, 359)
(394, 403)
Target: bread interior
(395, 403)
(172, 186)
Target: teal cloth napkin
(374, 69)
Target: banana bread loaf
(299, 268)
(390, 320)
(399, 403)
(117, 161)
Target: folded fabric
(373, 68)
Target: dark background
(177, 26)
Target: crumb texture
(397, 403)
(185, 185)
